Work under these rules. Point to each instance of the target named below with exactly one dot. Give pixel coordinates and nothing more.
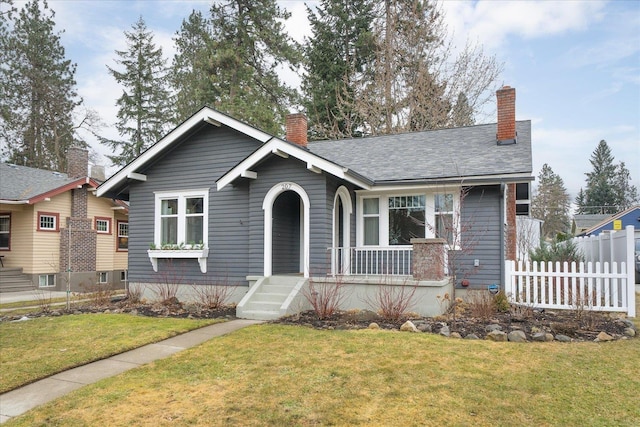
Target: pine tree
(551, 203)
(340, 48)
(37, 90)
(249, 45)
(609, 188)
(417, 77)
(191, 69)
(143, 108)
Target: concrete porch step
(267, 299)
(261, 314)
(13, 280)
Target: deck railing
(372, 261)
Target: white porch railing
(594, 286)
(372, 261)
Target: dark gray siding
(270, 173)
(481, 214)
(286, 233)
(196, 163)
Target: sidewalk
(19, 401)
(32, 295)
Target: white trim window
(443, 216)
(181, 219)
(103, 277)
(406, 219)
(396, 218)
(371, 221)
(46, 280)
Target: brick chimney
(77, 162)
(297, 128)
(506, 115)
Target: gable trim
(282, 148)
(207, 115)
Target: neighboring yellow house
(50, 221)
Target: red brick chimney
(506, 115)
(77, 162)
(297, 128)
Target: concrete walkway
(19, 401)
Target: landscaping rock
(408, 326)
(517, 336)
(542, 337)
(629, 332)
(603, 337)
(455, 335)
(563, 338)
(444, 331)
(471, 337)
(497, 336)
(493, 327)
(425, 327)
(373, 325)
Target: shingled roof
(29, 185)
(422, 156)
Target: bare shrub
(98, 294)
(481, 304)
(43, 300)
(213, 295)
(393, 302)
(134, 293)
(325, 296)
(167, 282)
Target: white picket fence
(606, 282)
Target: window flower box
(199, 254)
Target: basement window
(46, 280)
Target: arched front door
(286, 230)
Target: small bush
(481, 304)
(325, 296)
(502, 302)
(213, 295)
(393, 302)
(557, 251)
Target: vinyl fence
(606, 282)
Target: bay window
(371, 219)
(443, 207)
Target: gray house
(219, 201)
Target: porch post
(428, 259)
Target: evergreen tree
(191, 70)
(580, 202)
(417, 77)
(249, 45)
(551, 203)
(37, 90)
(609, 188)
(462, 113)
(143, 108)
(340, 48)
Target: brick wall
(428, 259)
(78, 243)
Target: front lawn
(290, 375)
(38, 348)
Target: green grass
(40, 347)
(287, 375)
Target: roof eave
(118, 181)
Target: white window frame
(119, 236)
(8, 232)
(106, 221)
(46, 280)
(103, 277)
(182, 197)
(54, 221)
(429, 194)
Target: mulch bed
(579, 326)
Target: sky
(575, 66)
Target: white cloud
(492, 22)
